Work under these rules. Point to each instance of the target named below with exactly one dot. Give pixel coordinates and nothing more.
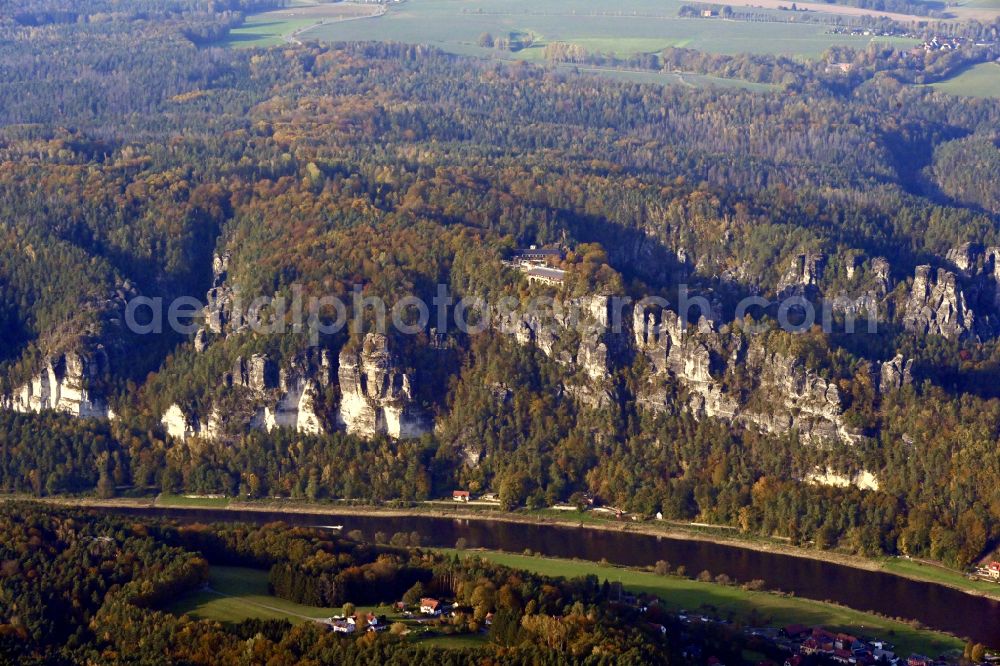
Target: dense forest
(136, 154)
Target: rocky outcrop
(296, 409)
(937, 305)
(180, 425)
(376, 393)
(895, 374)
(64, 385)
(961, 301)
(271, 398)
(222, 313)
(803, 274)
(685, 355)
(863, 480)
(577, 334)
(794, 397)
(784, 395)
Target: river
(936, 606)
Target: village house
(342, 626)
(461, 495)
(429, 606)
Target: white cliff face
(62, 385)
(295, 409)
(864, 479)
(276, 399)
(178, 425)
(684, 354)
(376, 396)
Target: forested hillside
(141, 161)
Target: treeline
(931, 9)
(367, 584)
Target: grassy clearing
(237, 593)
(624, 28)
(982, 80)
(682, 593)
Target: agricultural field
(982, 80)
(284, 25)
(730, 601)
(625, 28)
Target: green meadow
(622, 28)
(264, 30)
(982, 80)
(237, 593)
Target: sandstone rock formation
(376, 393)
(576, 333)
(937, 305)
(700, 359)
(864, 479)
(274, 398)
(895, 374)
(222, 313)
(64, 385)
(684, 354)
(803, 274)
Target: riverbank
(736, 604)
(719, 535)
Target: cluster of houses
(358, 622)
(466, 496)
(807, 644)
(941, 44)
(839, 647)
(369, 622)
(535, 262)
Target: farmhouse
(429, 606)
(461, 495)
